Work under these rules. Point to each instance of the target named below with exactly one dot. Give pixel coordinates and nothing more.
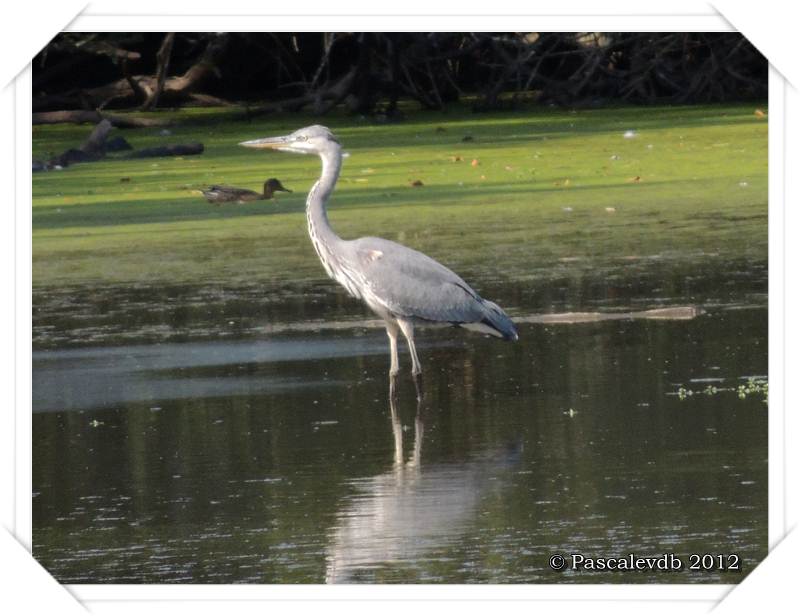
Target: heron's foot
(417, 376)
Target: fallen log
(207, 100)
(323, 101)
(93, 148)
(131, 88)
(181, 149)
(69, 157)
(79, 116)
(118, 144)
(95, 143)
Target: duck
(228, 194)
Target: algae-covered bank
(513, 194)
(209, 407)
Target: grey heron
(404, 287)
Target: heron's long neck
(322, 234)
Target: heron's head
(310, 140)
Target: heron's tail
(498, 322)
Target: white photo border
(103, 596)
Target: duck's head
(274, 185)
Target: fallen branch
(96, 145)
(163, 57)
(181, 149)
(133, 87)
(323, 100)
(93, 148)
(207, 100)
(98, 48)
(80, 116)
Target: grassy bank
(525, 193)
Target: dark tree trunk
(163, 56)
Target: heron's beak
(271, 143)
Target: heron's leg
(416, 368)
(408, 331)
(391, 331)
(394, 369)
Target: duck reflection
(398, 516)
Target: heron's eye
(302, 138)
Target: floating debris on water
(678, 313)
(753, 386)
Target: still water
(244, 435)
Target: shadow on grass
(139, 212)
(451, 128)
(447, 128)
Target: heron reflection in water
(397, 517)
(404, 287)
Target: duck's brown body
(230, 194)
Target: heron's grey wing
(411, 284)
